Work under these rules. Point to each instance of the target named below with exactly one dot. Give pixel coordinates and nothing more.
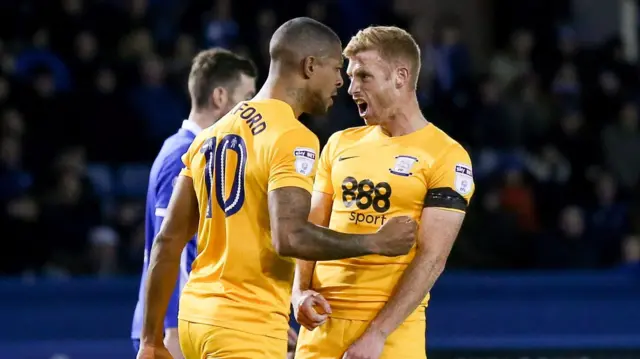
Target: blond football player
(399, 164)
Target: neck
(281, 86)
(204, 118)
(407, 118)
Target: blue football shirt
(164, 172)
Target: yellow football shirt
(373, 177)
(238, 281)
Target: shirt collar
(191, 127)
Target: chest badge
(403, 166)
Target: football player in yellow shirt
(246, 189)
(398, 165)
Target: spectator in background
(452, 63)
(19, 212)
(104, 113)
(5, 91)
(613, 58)
(567, 51)
(573, 139)
(492, 126)
(39, 56)
(45, 107)
(134, 47)
(551, 172)
(155, 102)
(570, 245)
(84, 61)
(566, 89)
(70, 210)
(128, 221)
(515, 62)
(608, 219)
(631, 252)
(266, 22)
(164, 18)
(103, 250)
(449, 64)
(66, 21)
(220, 29)
(621, 145)
(530, 111)
(490, 237)
(13, 125)
(14, 180)
(517, 197)
(178, 65)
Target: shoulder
(170, 156)
(295, 133)
(349, 135)
(278, 113)
(200, 139)
(440, 145)
(354, 133)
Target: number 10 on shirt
(215, 173)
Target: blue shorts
(136, 345)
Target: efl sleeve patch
(305, 160)
(463, 182)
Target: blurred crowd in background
(89, 90)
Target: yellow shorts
(202, 341)
(333, 338)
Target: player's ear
(402, 77)
(309, 64)
(219, 97)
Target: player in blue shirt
(218, 80)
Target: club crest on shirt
(403, 165)
(305, 159)
(463, 181)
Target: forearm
(164, 264)
(171, 315)
(315, 243)
(415, 283)
(302, 279)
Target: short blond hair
(393, 43)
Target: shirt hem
(229, 325)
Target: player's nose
(352, 88)
(340, 81)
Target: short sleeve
(323, 182)
(188, 157)
(450, 182)
(293, 160)
(164, 186)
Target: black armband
(445, 197)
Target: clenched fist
(396, 237)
